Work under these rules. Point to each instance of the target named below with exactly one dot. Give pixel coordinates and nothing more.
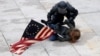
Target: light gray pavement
(16, 14)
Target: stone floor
(16, 14)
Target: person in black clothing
(57, 13)
(64, 33)
(61, 9)
(68, 34)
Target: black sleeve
(61, 39)
(65, 38)
(52, 11)
(72, 12)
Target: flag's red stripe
(45, 32)
(49, 33)
(40, 32)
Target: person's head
(74, 34)
(62, 7)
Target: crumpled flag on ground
(34, 32)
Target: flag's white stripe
(12, 49)
(48, 34)
(31, 41)
(21, 45)
(20, 50)
(40, 32)
(45, 32)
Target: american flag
(34, 32)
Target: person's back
(61, 9)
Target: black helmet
(62, 7)
(62, 4)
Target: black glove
(46, 22)
(43, 21)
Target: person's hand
(43, 21)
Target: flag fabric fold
(34, 32)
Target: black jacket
(71, 13)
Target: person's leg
(54, 26)
(53, 37)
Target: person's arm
(64, 38)
(52, 11)
(72, 12)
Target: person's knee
(53, 38)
